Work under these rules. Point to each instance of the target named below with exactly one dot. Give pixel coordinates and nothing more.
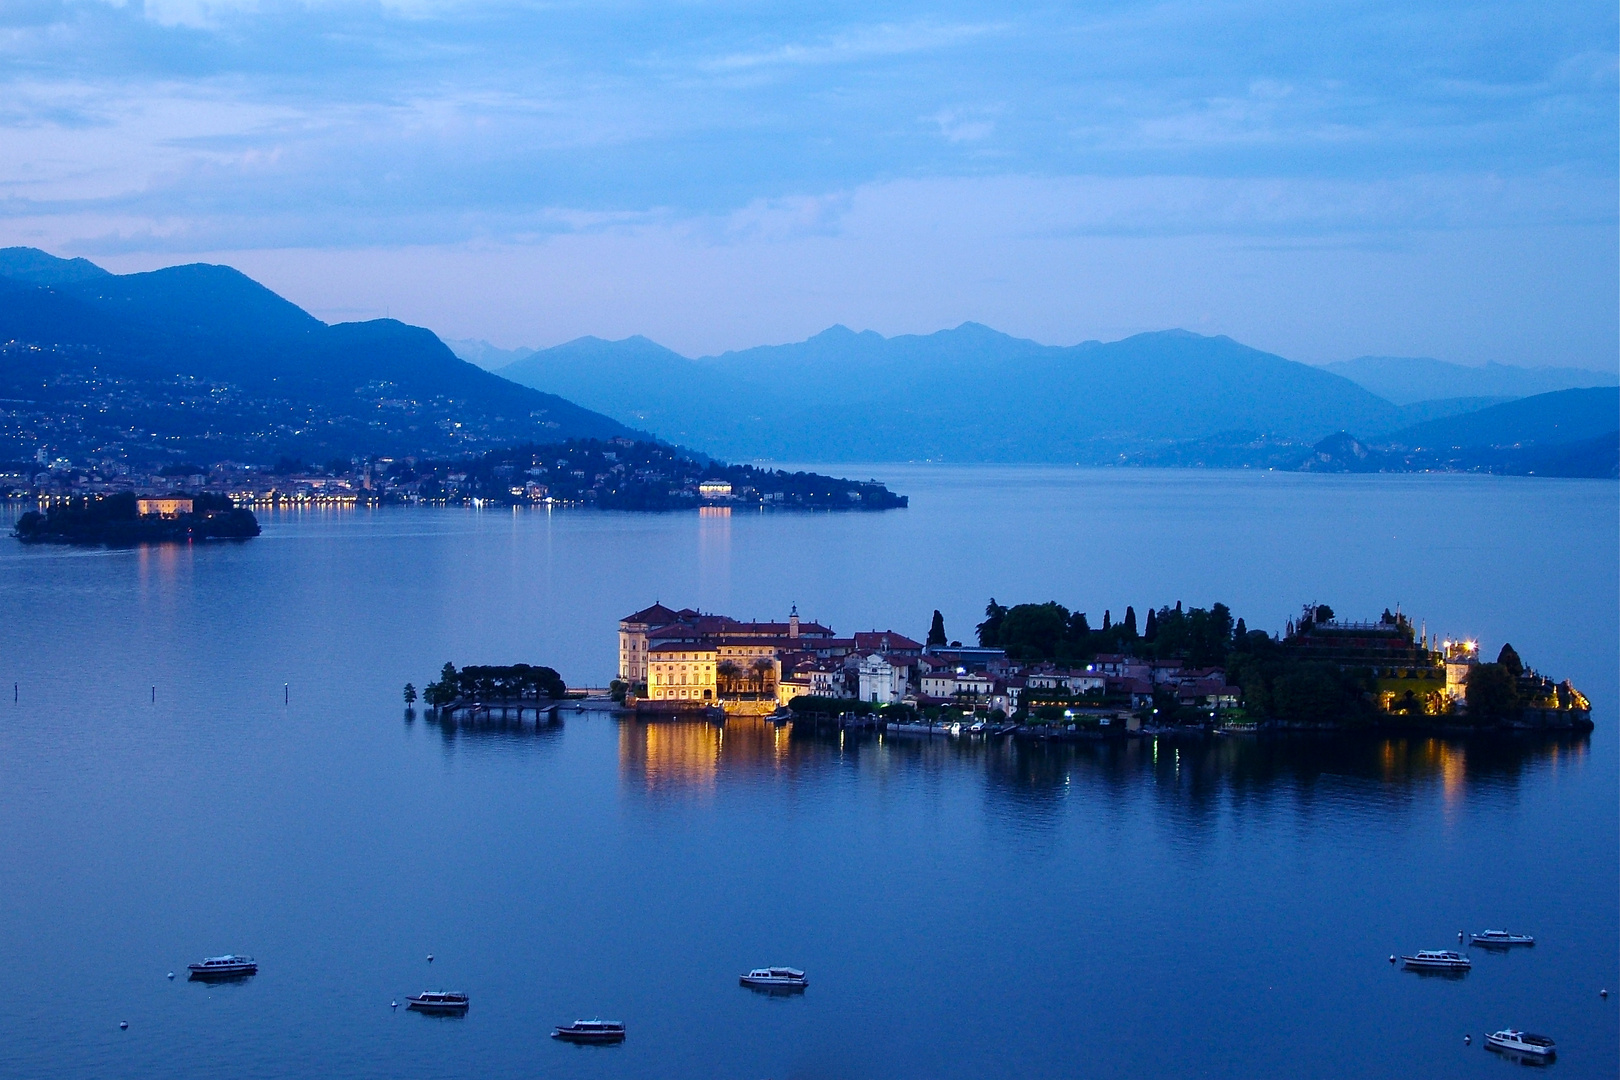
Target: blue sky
(1323, 180)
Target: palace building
(677, 659)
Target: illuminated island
(1042, 669)
(126, 518)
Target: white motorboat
(591, 1031)
(1520, 1042)
(224, 967)
(1501, 938)
(439, 1001)
(1437, 960)
(775, 978)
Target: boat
(1437, 960)
(1520, 1042)
(591, 1031)
(439, 1001)
(1501, 938)
(775, 978)
(224, 967)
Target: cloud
(740, 131)
(960, 126)
(857, 43)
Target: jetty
(544, 712)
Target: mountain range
(969, 394)
(1408, 379)
(201, 362)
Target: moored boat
(1437, 960)
(439, 1001)
(1520, 1042)
(224, 967)
(591, 1031)
(1501, 938)
(775, 978)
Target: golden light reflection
(673, 754)
(1453, 773)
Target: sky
(1323, 180)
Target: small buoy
(430, 958)
(1459, 935)
(393, 1004)
(171, 974)
(1392, 958)
(123, 1025)
(1603, 993)
(1468, 1040)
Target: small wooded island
(126, 518)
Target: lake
(208, 752)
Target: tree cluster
(512, 682)
(1051, 631)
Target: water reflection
(490, 728)
(1197, 772)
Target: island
(124, 518)
(1043, 670)
(490, 690)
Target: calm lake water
(1170, 908)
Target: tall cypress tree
(1509, 658)
(1151, 630)
(1108, 620)
(936, 632)
(1130, 621)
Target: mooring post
(154, 695)
(286, 693)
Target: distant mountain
(1408, 379)
(1570, 433)
(37, 268)
(487, 356)
(203, 362)
(1565, 416)
(968, 394)
(1419, 412)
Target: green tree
(1493, 692)
(764, 671)
(1151, 630)
(1324, 613)
(1307, 692)
(1130, 621)
(1509, 659)
(410, 694)
(936, 631)
(1032, 631)
(990, 629)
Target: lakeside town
(613, 474)
(1039, 667)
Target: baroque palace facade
(686, 658)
